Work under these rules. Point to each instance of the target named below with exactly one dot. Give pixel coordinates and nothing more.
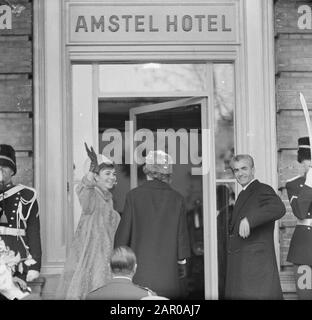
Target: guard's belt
(305, 222)
(11, 231)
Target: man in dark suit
(154, 225)
(252, 271)
(123, 265)
(299, 190)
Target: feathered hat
(103, 162)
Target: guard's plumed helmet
(7, 157)
(304, 152)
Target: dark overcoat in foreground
(154, 225)
(252, 271)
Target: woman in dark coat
(154, 225)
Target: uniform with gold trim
(300, 199)
(19, 216)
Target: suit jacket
(300, 198)
(120, 289)
(252, 271)
(154, 225)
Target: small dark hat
(7, 157)
(304, 152)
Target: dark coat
(119, 289)
(26, 199)
(252, 271)
(154, 225)
(300, 198)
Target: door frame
(210, 221)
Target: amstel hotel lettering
(146, 23)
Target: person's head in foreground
(123, 262)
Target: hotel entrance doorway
(127, 110)
(180, 128)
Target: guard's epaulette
(292, 179)
(28, 193)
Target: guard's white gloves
(6, 279)
(7, 285)
(308, 181)
(32, 275)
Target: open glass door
(182, 128)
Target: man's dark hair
(123, 261)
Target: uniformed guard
(299, 190)
(19, 216)
(123, 266)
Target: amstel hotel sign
(102, 23)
